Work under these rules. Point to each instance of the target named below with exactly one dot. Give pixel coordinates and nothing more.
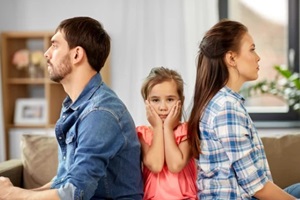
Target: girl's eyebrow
(154, 96)
(172, 96)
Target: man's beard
(61, 70)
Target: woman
(232, 163)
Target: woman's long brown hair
(212, 73)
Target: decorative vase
(32, 71)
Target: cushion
(283, 157)
(39, 158)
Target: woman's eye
(154, 100)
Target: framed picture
(30, 111)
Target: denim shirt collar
(86, 94)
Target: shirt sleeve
(98, 141)
(181, 133)
(145, 133)
(232, 125)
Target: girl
(232, 163)
(169, 171)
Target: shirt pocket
(71, 147)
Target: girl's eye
(154, 100)
(170, 100)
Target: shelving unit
(16, 83)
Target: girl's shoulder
(145, 132)
(143, 128)
(181, 129)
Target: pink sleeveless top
(167, 185)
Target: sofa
(39, 160)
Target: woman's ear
(230, 59)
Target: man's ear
(78, 54)
(230, 59)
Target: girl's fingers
(176, 109)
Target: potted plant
(286, 85)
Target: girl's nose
(163, 106)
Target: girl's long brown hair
(212, 73)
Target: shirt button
(59, 138)
(64, 157)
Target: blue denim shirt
(99, 154)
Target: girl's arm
(177, 156)
(272, 192)
(153, 155)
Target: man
(99, 152)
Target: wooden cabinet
(17, 84)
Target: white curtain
(158, 33)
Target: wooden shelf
(26, 81)
(16, 83)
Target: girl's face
(247, 59)
(162, 97)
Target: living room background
(144, 34)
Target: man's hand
(5, 188)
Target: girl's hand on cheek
(173, 117)
(152, 117)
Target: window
(276, 35)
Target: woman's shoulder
(222, 100)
